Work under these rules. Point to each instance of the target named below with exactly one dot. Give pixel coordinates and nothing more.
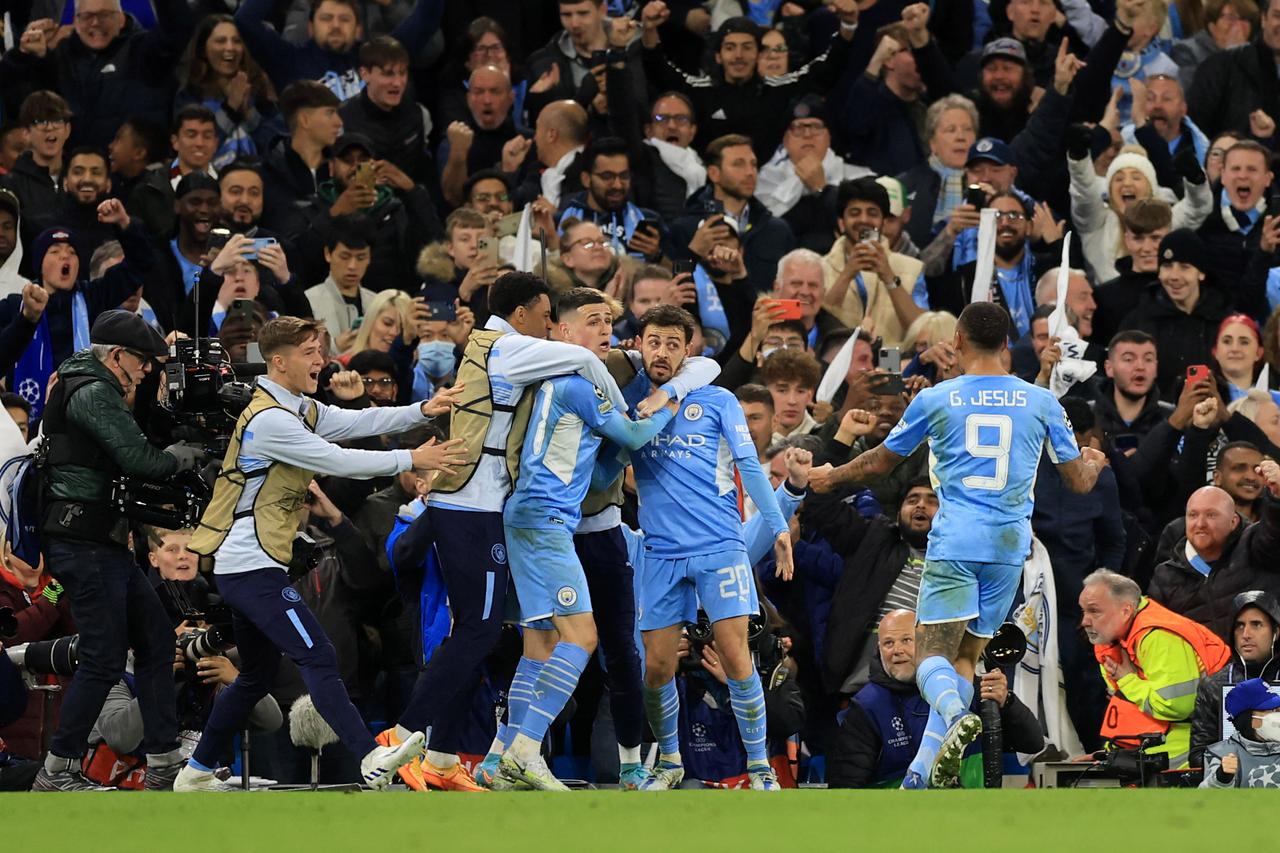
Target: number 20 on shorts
(738, 576)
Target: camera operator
(250, 524)
(1151, 660)
(90, 438)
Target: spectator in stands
(1233, 231)
(884, 725)
(800, 277)
(85, 184)
(73, 302)
(19, 410)
(1151, 659)
(1079, 304)
(194, 139)
(390, 314)
(749, 104)
(1261, 409)
(587, 260)
(540, 168)
(378, 372)
(1144, 224)
(395, 124)
(798, 183)
(937, 187)
(791, 377)
(219, 75)
(34, 177)
(757, 408)
(1227, 24)
(1226, 92)
(1182, 314)
(331, 56)
(400, 214)
(604, 201)
(1251, 756)
(139, 147)
(1255, 629)
(667, 168)
(1130, 177)
(295, 165)
(141, 63)
(866, 280)
(488, 191)
(1238, 353)
(181, 252)
(476, 142)
(240, 192)
(1222, 549)
(455, 268)
(13, 142)
(340, 300)
(652, 285)
(1128, 406)
(883, 110)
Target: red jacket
(37, 620)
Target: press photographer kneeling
(90, 438)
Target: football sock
(518, 696)
(746, 698)
(555, 684)
(662, 706)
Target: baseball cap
(119, 328)
(990, 148)
(898, 200)
(1251, 695)
(347, 141)
(1006, 47)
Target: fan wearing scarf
(74, 303)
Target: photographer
(250, 525)
(90, 438)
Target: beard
(915, 538)
(1010, 252)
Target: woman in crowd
(219, 73)
(1096, 210)
(951, 127)
(1239, 354)
(485, 43)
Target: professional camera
(46, 657)
(766, 647)
(203, 401)
(204, 395)
(205, 642)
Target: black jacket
(1251, 560)
(653, 184)
(757, 108)
(397, 135)
(1181, 339)
(288, 186)
(1230, 85)
(1229, 253)
(37, 192)
(132, 76)
(880, 130)
(1117, 298)
(922, 185)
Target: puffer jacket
(1206, 720)
(1251, 560)
(97, 418)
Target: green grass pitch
(697, 821)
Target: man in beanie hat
(1180, 310)
(1255, 629)
(90, 438)
(74, 302)
(1250, 757)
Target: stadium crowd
(804, 193)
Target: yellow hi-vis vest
(623, 371)
(473, 416)
(278, 506)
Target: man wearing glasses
(605, 201)
(91, 438)
(104, 37)
(799, 183)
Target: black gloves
(1079, 141)
(1187, 165)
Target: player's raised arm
(876, 462)
(1079, 467)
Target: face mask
(1269, 728)
(436, 357)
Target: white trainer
(379, 767)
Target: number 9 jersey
(985, 437)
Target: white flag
(839, 369)
(523, 258)
(985, 269)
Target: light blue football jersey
(685, 477)
(570, 416)
(985, 434)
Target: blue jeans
(115, 609)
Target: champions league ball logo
(29, 390)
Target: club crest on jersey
(499, 554)
(692, 412)
(290, 594)
(567, 596)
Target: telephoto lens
(47, 657)
(207, 643)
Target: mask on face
(1269, 728)
(436, 358)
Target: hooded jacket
(1117, 298)
(398, 135)
(1259, 763)
(35, 188)
(11, 281)
(1250, 560)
